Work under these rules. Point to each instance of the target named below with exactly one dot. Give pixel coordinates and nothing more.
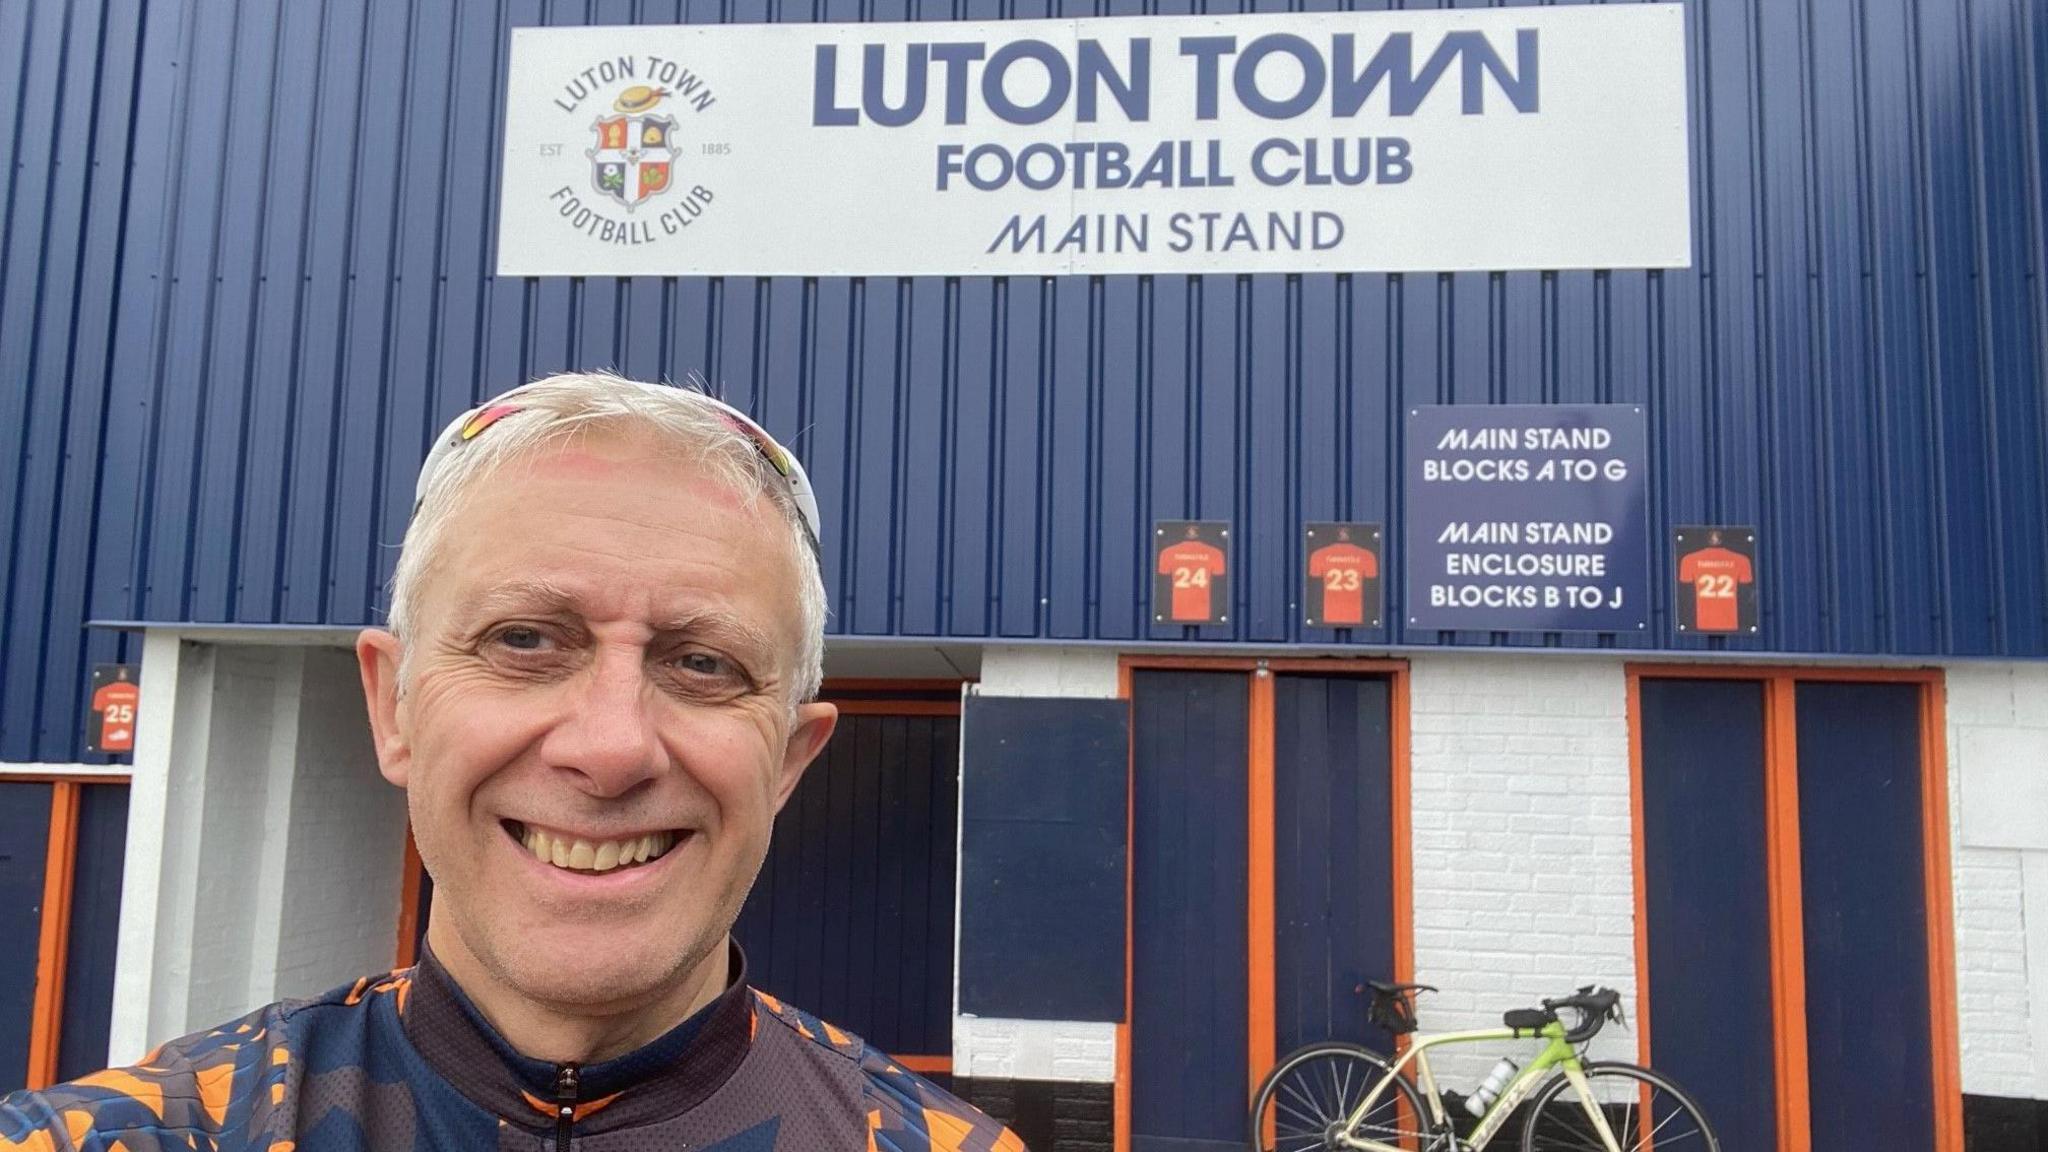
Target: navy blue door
(1862, 856)
(98, 860)
(24, 845)
(852, 915)
(1190, 736)
(1333, 866)
(1708, 901)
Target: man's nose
(607, 734)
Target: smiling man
(607, 627)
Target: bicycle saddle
(1398, 989)
(1393, 1005)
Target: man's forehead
(590, 595)
(655, 486)
(605, 452)
(661, 609)
(612, 526)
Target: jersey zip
(567, 1086)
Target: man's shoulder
(904, 1111)
(911, 1114)
(227, 1083)
(211, 1082)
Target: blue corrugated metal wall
(245, 272)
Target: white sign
(1395, 141)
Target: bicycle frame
(1557, 1055)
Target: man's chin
(603, 974)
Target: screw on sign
(116, 696)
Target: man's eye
(703, 664)
(522, 639)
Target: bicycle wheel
(1645, 1111)
(1308, 1096)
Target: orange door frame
(1782, 868)
(53, 942)
(1260, 925)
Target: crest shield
(634, 157)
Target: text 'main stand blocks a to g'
(1528, 518)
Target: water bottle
(1496, 1083)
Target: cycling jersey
(406, 1062)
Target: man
(607, 626)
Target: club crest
(634, 156)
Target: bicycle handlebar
(1595, 1007)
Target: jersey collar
(667, 1077)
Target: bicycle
(1309, 1101)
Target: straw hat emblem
(639, 98)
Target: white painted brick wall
(1033, 1050)
(1524, 880)
(1044, 670)
(2001, 984)
(1991, 973)
(344, 871)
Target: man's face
(602, 671)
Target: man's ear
(377, 656)
(814, 724)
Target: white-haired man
(607, 626)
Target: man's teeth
(602, 856)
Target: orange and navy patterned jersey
(405, 1062)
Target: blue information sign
(1527, 518)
